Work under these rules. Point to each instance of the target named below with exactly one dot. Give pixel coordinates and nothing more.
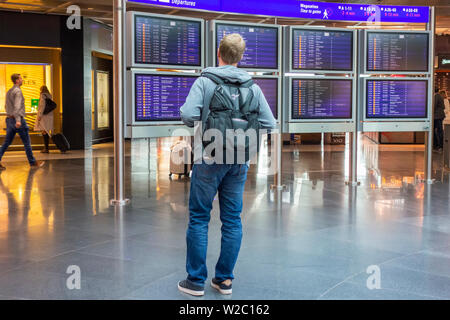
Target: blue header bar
(305, 9)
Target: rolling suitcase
(180, 159)
(61, 142)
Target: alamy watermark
(211, 146)
(374, 280)
(374, 20)
(74, 20)
(74, 280)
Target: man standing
(439, 115)
(15, 122)
(226, 179)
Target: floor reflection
(317, 230)
(24, 201)
(312, 174)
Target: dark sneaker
(37, 164)
(221, 286)
(193, 289)
(2, 167)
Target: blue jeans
(206, 181)
(11, 131)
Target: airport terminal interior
(359, 186)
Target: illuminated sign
(444, 62)
(34, 76)
(305, 9)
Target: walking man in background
(15, 121)
(222, 177)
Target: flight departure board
(396, 99)
(160, 97)
(321, 99)
(261, 50)
(322, 50)
(269, 87)
(167, 41)
(402, 52)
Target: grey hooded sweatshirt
(202, 91)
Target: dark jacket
(439, 106)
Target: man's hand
(18, 124)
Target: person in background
(15, 122)
(444, 96)
(439, 115)
(44, 122)
(226, 179)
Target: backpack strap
(245, 105)
(214, 78)
(247, 84)
(227, 81)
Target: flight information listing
(166, 41)
(269, 87)
(160, 97)
(261, 44)
(396, 99)
(397, 52)
(321, 99)
(322, 50)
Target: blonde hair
(231, 48)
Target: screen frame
(290, 44)
(279, 93)
(132, 47)
(136, 72)
(322, 119)
(395, 119)
(214, 43)
(366, 52)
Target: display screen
(269, 87)
(321, 99)
(167, 41)
(396, 99)
(261, 44)
(322, 50)
(160, 97)
(397, 51)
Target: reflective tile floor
(315, 240)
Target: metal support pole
(278, 141)
(119, 10)
(429, 135)
(429, 155)
(353, 153)
(353, 135)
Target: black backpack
(228, 111)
